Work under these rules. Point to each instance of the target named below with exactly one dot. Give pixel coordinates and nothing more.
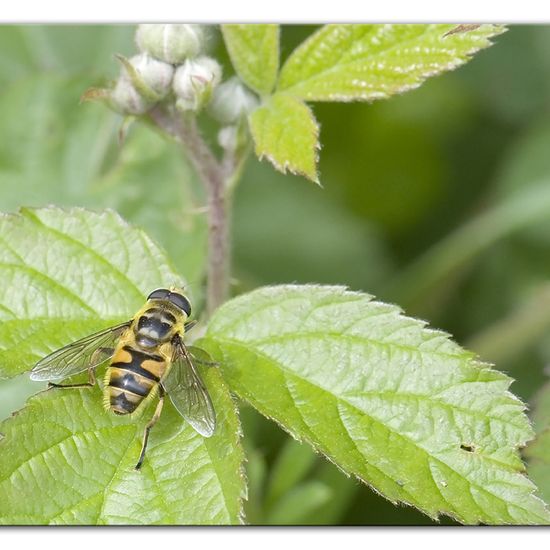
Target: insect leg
(89, 384)
(150, 424)
(95, 361)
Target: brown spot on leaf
(461, 28)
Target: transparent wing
(201, 357)
(78, 356)
(188, 392)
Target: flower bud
(156, 75)
(231, 101)
(126, 100)
(234, 138)
(194, 82)
(170, 43)
(227, 138)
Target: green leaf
(66, 274)
(254, 52)
(285, 132)
(400, 406)
(84, 49)
(298, 503)
(343, 491)
(538, 451)
(293, 463)
(69, 273)
(65, 460)
(367, 62)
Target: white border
(287, 11)
(274, 538)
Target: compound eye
(181, 302)
(159, 294)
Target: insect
(147, 358)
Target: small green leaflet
(63, 458)
(285, 132)
(398, 405)
(367, 62)
(254, 52)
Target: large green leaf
(65, 460)
(398, 405)
(285, 132)
(254, 51)
(367, 62)
(66, 274)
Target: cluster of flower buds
(172, 67)
(171, 61)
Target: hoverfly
(147, 357)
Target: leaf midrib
(389, 428)
(420, 397)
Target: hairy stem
(215, 175)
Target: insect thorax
(157, 324)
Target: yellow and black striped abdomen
(132, 375)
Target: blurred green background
(438, 200)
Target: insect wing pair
(182, 383)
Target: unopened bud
(235, 137)
(155, 74)
(126, 100)
(169, 42)
(227, 138)
(194, 82)
(232, 101)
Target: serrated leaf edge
(422, 324)
(286, 166)
(359, 96)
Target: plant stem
(215, 176)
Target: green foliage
(400, 406)
(277, 486)
(285, 132)
(399, 180)
(291, 466)
(530, 206)
(65, 460)
(343, 63)
(57, 149)
(352, 252)
(69, 273)
(366, 62)
(538, 451)
(254, 51)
